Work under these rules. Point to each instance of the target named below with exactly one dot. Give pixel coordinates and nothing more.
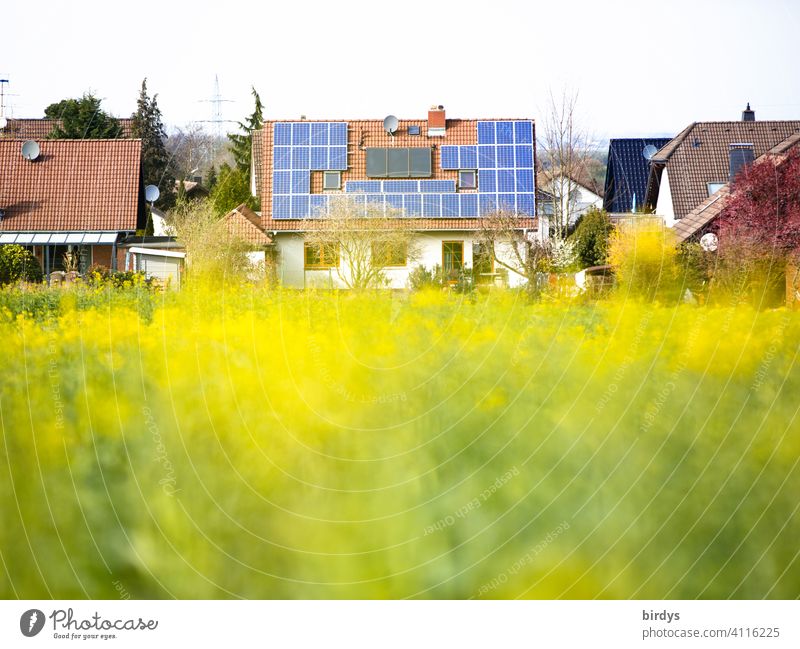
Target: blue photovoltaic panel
(371, 186)
(468, 157)
(486, 157)
(486, 133)
(523, 132)
(319, 205)
(412, 204)
(449, 157)
(400, 186)
(506, 202)
(282, 157)
(432, 205)
(505, 132)
(437, 186)
(281, 207)
(301, 182)
(394, 201)
(505, 157)
(469, 205)
(505, 180)
(488, 204)
(301, 158)
(338, 158)
(524, 156)
(281, 182)
(282, 134)
(301, 133)
(450, 205)
(487, 181)
(525, 204)
(375, 199)
(319, 134)
(300, 207)
(319, 157)
(524, 181)
(338, 134)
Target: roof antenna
(3, 120)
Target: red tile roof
(73, 185)
(39, 129)
(370, 133)
(700, 155)
(243, 223)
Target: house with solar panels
(443, 175)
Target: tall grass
(254, 444)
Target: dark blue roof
(627, 171)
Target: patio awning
(60, 238)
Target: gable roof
(39, 129)
(627, 171)
(707, 212)
(243, 223)
(72, 185)
(700, 154)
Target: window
(399, 162)
(389, 253)
(482, 263)
(467, 179)
(332, 180)
(452, 256)
(413, 130)
(321, 256)
(713, 188)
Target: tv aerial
(30, 150)
(390, 124)
(709, 242)
(649, 151)
(151, 194)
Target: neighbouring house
(704, 157)
(567, 195)
(159, 257)
(246, 226)
(79, 196)
(627, 170)
(444, 175)
(40, 129)
(193, 189)
(702, 218)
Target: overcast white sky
(639, 67)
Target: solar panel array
(503, 158)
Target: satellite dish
(30, 150)
(390, 124)
(151, 193)
(3, 122)
(709, 242)
(649, 151)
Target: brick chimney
(437, 124)
(748, 115)
(741, 154)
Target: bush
(643, 255)
(18, 264)
(420, 278)
(591, 238)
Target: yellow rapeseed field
(247, 443)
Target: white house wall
(427, 251)
(664, 205)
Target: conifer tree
(82, 119)
(148, 126)
(241, 143)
